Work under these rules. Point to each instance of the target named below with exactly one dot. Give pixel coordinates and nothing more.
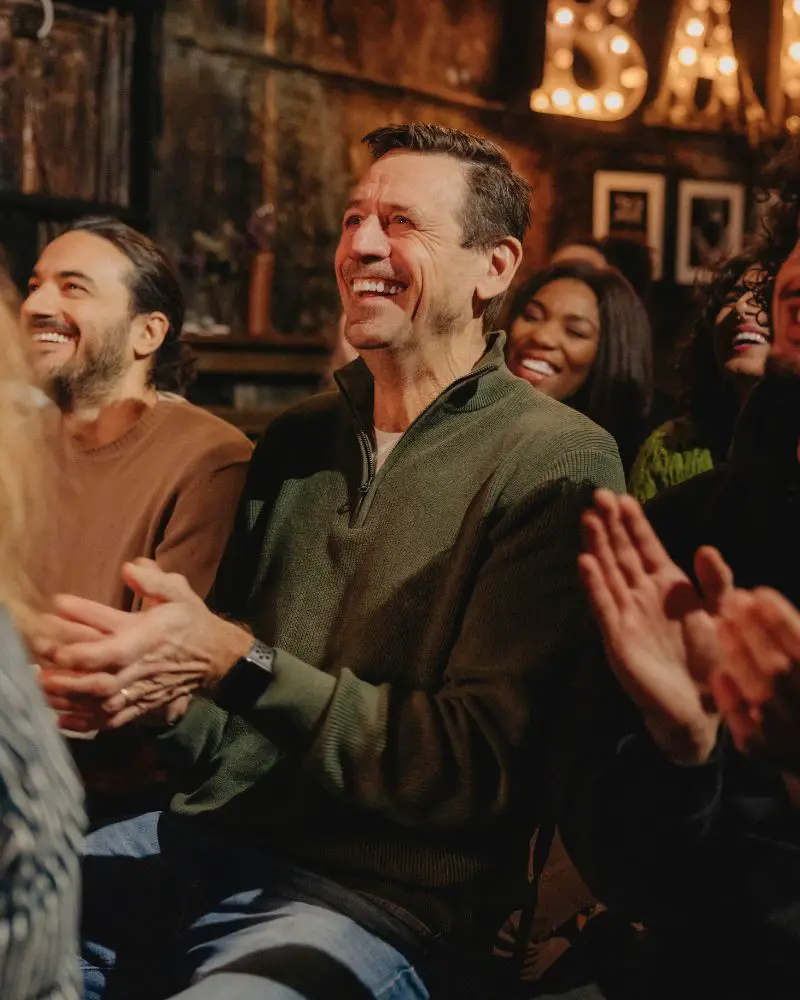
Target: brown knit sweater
(167, 489)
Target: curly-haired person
(720, 363)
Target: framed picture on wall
(710, 227)
(631, 205)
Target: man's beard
(444, 321)
(87, 380)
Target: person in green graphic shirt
(723, 360)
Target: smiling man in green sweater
(363, 777)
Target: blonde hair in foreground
(20, 471)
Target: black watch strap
(247, 680)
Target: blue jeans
(170, 907)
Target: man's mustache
(383, 274)
(46, 323)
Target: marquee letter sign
(787, 111)
(596, 30)
(701, 51)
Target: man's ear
(149, 333)
(503, 262)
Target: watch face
(240, 689)
(261, 655)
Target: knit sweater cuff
(685, 790)
(295, 701)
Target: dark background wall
(266, 100)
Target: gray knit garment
(41, 828)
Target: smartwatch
(247, 680)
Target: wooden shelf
(294, 341)
(125, 6)
(251, 422)
(257, 363)
(53, 207)
(230, 355)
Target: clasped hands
(691, 659)
(102, 668)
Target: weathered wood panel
(238, 132)
(247, 18)
(449, 44)
(210, 160)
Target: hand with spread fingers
(758, 687)
(103, 668)
(660, 635)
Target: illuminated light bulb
(723, 34)
(792, 87)
(793, 124)
(594, 21)
(562, 59)
(633, 77)
(687, 56)
(561, 98)
(727, 65)
(695, 28)
(620, 44)
(539, 102)
(587, 103)
(794, 51)
(564, 17)
(613, 101)
(618, 8)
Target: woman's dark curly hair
(154, 287)
(618, 393)
(779, 185)
(708, 397)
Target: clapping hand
(661, 636)
(757, 688)
(103, 668)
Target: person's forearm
(684, 745)
(635, 823)
(447, 765)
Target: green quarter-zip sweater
(425, 618)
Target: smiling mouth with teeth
(376, 286)
(538, 366)
(51, 337)
(749, 338)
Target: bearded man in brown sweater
(364, 778)
(136, 470)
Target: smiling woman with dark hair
(582, 336)
(721, 362)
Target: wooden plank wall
(266, 100)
